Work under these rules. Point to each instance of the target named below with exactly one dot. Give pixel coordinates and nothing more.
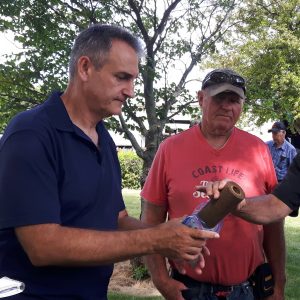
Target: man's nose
(129, 89)
(226, 103)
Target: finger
(201, 261)
(207, 188)
(204, 234)
(181, 269)
(198, 270)
(180, 265)
(198, 264)
(217, 186)
(215, 190)
(241, 204)
(223, 182)
(205, 251)
(191, 255)
(193, 251)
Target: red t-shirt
(186, 160)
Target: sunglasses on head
(220, 77)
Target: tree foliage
(266, 49)
(178, 35)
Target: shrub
(140, 273)
(131, 167)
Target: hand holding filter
(211, 215)
(215, 210)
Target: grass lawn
(292, 232)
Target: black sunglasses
(220, 77)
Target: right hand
(170, 288)
(178, 241)
(213, 188)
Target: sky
(7, 45)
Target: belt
(198, 289)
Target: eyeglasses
(220, 77)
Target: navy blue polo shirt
(51, 172)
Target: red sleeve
(271, 179)
(155, 188)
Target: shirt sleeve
(270, 174)
(293, 153)
(155, 187)
(288, 190)
(28, 183)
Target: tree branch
(160, 28)
(133, 116)
(131, 137)
(138, 20)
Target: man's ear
(84, 65)
(200, 96)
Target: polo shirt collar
(57, 113)
(59, 116)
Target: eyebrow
(126, 75)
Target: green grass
(133, 202)
(292, 233)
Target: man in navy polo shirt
(63, 222)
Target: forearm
(167, 286)
(263, 209)
(52, 244)
(57, 245)
(157, 267)
(126, 222)
(274, 246)
(156, 264)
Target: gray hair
(96, 41)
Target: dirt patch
(122, 282)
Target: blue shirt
(51, 172)
(282, 157)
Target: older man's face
(278, 137)
(221, 112)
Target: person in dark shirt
(293, 136)
(63, 221)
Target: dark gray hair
(96, 41)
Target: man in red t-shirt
(213, 150)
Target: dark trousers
(206, 291)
